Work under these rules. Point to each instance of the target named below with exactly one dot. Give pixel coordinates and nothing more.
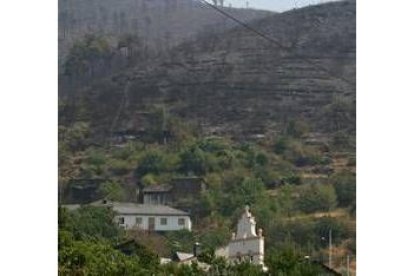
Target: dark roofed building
(187, 187)
(179, 191)
(157, 194)
(83, 190)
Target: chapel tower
(246, 244)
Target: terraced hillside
(160, 23)
(236, 82)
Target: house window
(163, 221)
(181, 221)
(138, 220)
(121, 220)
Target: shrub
(152, 162)
(292, 178)
(286, 261)
(345, 187)
(261, 159)
(212, 145)
(297, 128)
(281, 145)
(313, 198)
(338, 227)
(111, 191)
(90, 222)
(193, 161)
(95, 157)
(148, 179)
(97, 258)
(119, 167)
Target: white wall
(172, 222)
(245, 246)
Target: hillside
(160, 23)
(259, 124)
(237, 83)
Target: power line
(277, 43)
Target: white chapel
(246, 244)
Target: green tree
(285, 262)
(345, 187)
(74, 136)
(285, 201)
(112, 191)
(261, 159)
(316, 197)
(193, 161)
(281, 145)
(148, 179)
(97, 258)
(249, 191)
(152, 162)
(90, 223)
(119, 167)
(87, 55)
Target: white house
(246, 244)
(146, 217)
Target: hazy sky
(276, 5)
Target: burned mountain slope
(160, 24)
(239, 83)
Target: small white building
(151, 217)
(146, 217)
(246, 244)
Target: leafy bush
(152, 162)
(214, 145)
(89, 223)
(250, 191)
(338, 227)
(297, 128)
(112, 191)
(148, 179)
(287, 262)
(75, 136)
(99, 258)
(345, 187)
(292, 178)
(182, 240)
(194, 161)
(281, 145)
(119, 167)
(269, 176)
(214, 238)
(86, 55)
(261, 159)
(316, 197)
(302, 155)
(95, 157)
